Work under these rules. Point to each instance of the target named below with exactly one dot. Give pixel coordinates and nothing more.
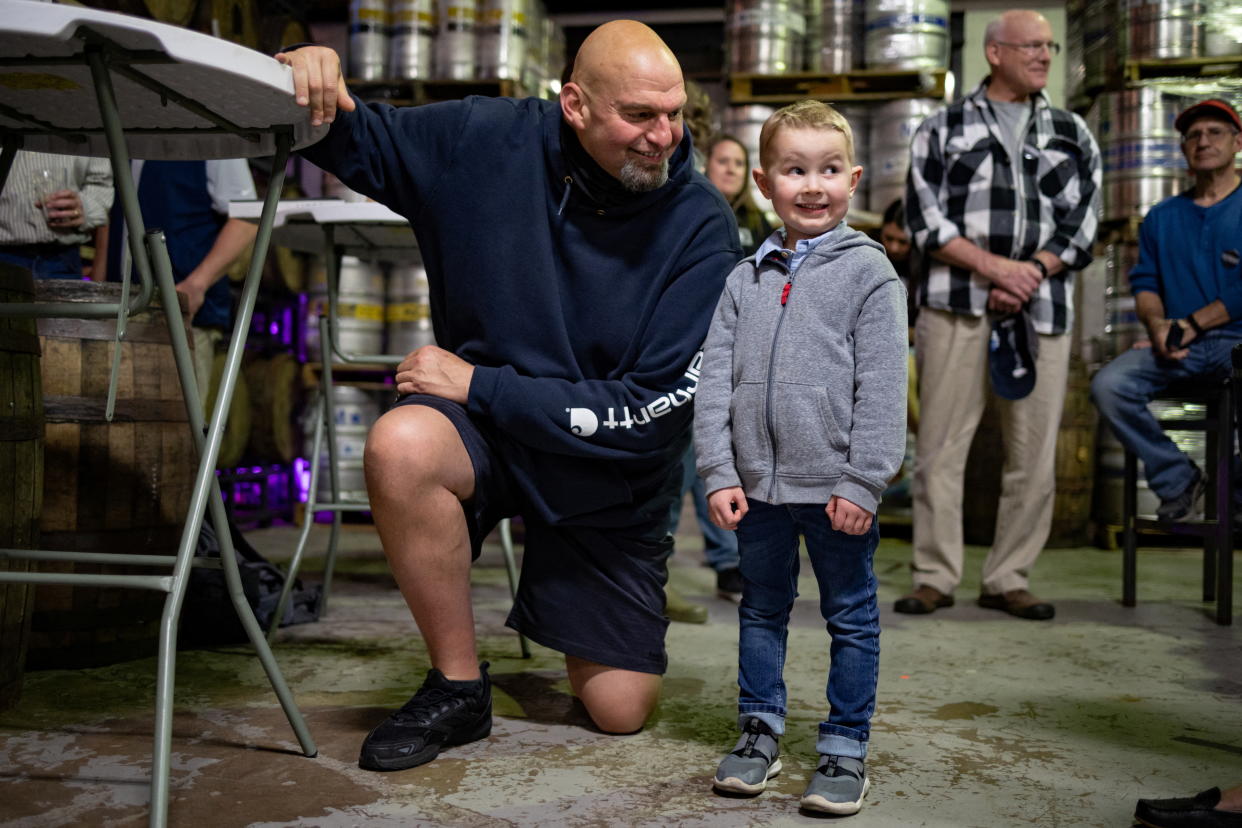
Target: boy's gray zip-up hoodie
(802, 400)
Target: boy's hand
(847, 517)
(727, 507)
(317, 82)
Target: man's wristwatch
(1190, 320)
(1043, 268)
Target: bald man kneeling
(575, 258)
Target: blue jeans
(45, 261)
(719, 545)
(1123, 388)
(768, 540)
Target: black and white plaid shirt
(962, 183)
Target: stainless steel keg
(745, 123)
(501, 42)
(1100, 42)
(859, 117)
(1141, 151)
(412, 39)
(1162, 28)
(906, 34)
(834, 36)
(1222, 28)
(535, 64)
(354, 411)
(456, 24)
(360, 308)
(765, 37)
(892, 127)
(407, 312)
(368, 39)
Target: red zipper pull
(785, 292)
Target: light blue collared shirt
(776, 241)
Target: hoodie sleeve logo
(582, 421)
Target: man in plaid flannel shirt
(1002, 202)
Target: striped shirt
(21, 222)
(962, 182)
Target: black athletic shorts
(591, 592)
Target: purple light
(275, 328)
(301, 475)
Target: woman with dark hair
(728, 168)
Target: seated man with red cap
(1187, 290)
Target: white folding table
(83, 82)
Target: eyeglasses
(1213, 134)
(1035, 47)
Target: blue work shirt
(1189, 256)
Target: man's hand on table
(317, 82)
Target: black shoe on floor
(1188, 505)
(1189, 812)
(729, 584)
(441, 714)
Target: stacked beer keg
(460, 40)
(1132, 64)
(833, 37)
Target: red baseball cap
(1212, 108)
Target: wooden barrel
(122, 486)
(230, 19)
(279, 30)
(176, 12)
(237, 428)
(275, 398)
(21, 469)
(1075, 470)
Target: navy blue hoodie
(584, 323)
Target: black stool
(1216, 527)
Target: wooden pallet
(862, 85)
(1122, 229)
(367, 376)
(1136, 70)
(417, 92)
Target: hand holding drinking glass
(62, 206)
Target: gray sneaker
(1188, 505)
(754, 761)
(838, 786)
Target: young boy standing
(799, 424)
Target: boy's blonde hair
(804, 115)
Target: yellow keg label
(37, 80)
(378, 15)
(410, 15)
(371, 313)
(408, 312)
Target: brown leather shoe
(922, 601)
(1020, 603)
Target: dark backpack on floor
(208, 617)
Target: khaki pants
(952, 355)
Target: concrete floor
(983, 720)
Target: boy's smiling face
(809, 179)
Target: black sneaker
(729, 584)
(441, 714)
(1188, 505)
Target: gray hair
(993, 32)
